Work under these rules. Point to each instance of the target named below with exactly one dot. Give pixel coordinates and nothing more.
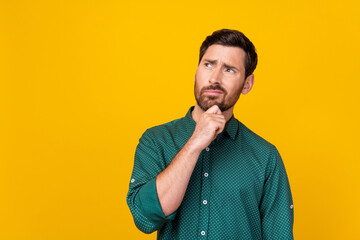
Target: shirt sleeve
(276, 207)
(142, 197)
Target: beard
(224, 101)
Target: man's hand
(171, 183)
(210, 124)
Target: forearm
(171, 183)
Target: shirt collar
(231, 127)
(189, 121)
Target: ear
(249, 82)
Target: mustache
(213, 87)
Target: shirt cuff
(150, 204)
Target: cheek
(197, 87)
(234, 89)
(198, 77)
(202, 76)
(200, 80)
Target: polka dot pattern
(238, 189)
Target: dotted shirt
(238, 189)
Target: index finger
(214, 109)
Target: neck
(196, 113)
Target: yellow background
(80, 81)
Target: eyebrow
(226, 65)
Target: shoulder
(258, 145)
(179, 128)
(166, 130)
(169, 137)
(250, 137)
(264, 152)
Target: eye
(230, 70)
(208, 65)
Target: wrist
(193, 146)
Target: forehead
(224, 54)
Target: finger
(214, 109)
(218, 125)
(220, 129)
(216, 117)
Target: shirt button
(206, 174)
(204, 202)
(132, 180)
(207, 149)
(203, 233)
(291, 206)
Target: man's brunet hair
(232, 38)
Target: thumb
(214, 109)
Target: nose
(215, 76)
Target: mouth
(213, 92)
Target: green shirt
(238, 189)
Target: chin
(208, 105)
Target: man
(207, 176)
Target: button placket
(205, 195)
